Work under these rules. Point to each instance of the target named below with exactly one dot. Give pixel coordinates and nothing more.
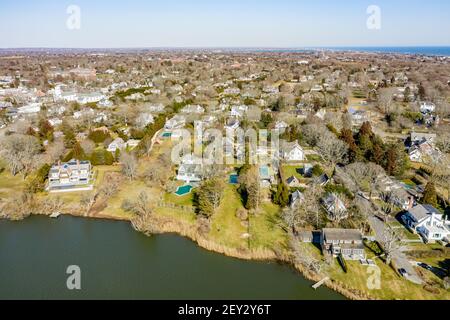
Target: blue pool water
(264, 171)
(234, 179)
(181, 191)
(167, 134)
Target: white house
(69, 96)
(232, 124)
(292, 151)
(281, 125)
(177, 122)
(90, 97)
(144, 119)
(189, 109)
(238, 111)
(232, 91)
(105, 103)
(155, 108)
(428, 222)
(30, 108)
(84, 112)
(132, 143)
(190, 169)
(417, 138)
(118, 143)
(427, 107)
(100, 117)
(70, 174)
(54, 122)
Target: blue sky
(227, 23)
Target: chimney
(411, 203)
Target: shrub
(99, 136)
(342, 263)
(102, 157)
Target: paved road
(399, 258)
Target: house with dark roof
(335, 207)
(296, 198)
(292, 182)
(345, 242)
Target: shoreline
(167, 226)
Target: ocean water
(429, 51)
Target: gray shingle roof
(342, 234)
(422, 211)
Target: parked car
(425, 266)
(403, 272)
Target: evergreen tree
(69, 135)
(209, 196)
(78, 152)
(281, 196)
(430, 195)
(353, 150)
(366, 129)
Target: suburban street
(399, 258)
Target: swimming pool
(181, 191)
(234, 179)
(264, 171)
(167, 134)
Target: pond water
(118, 263)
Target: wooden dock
(321, 282)
(55, 215)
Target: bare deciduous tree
(87, 201)
(306, 212)
(303, 257)
(19, 151)
(333, 150)
(389, 244)
(129, 165)
(55, 151)
(88, 146)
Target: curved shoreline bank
(167, 226)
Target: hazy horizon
(228, 24)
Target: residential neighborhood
(333, 162)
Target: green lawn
(75, 197)
(265, 228)
(392, 286)
(9, 184)
(226, 228)
(289, 171)
(177, 214)
(128, 191)
(186, 200)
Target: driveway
(399, 258)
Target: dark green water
(118, 263)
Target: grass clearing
(226, 228)
(392, 286)
(265, 228)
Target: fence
(163, 204)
